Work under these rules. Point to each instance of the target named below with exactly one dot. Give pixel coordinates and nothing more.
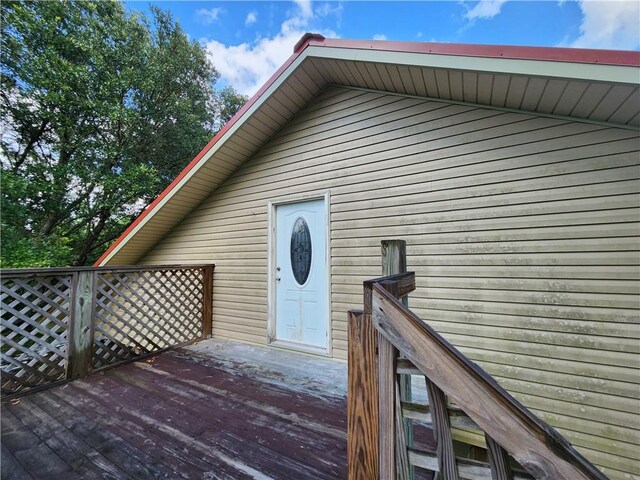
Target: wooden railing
(63, 323)
(387, 340)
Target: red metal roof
(571, 55)
(547, 54)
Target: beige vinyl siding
(523, 232)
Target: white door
(301, 274)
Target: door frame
(271, 273)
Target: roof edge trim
(558, 69)
(306, 39)
(629, 58)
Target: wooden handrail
(509, 427)
(399, 285)
(27, 272)
(362, 402)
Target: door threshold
(300, 347)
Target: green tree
(101, 109)
(228, 103)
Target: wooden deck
(215, 410)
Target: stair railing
(460, 394)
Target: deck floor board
(184, 415)
(30, 451)
(103, 433)
(74, 451)
(10, 467)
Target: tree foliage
(101, 109)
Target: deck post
(362, 396)
(82, 309)
(387, 357)
(207, 300)
(394, 260)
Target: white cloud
(485, 9)
(208, 16)
(609, 24)
(249, 65)
(252, 17)
(326, 9)
(306, 10)
(379, 36)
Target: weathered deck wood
(363, 406)
(10, 467)
(71, 449)
(179, 415)
(531, 442)
(27, 448)
(67, 323)
(207, 300)
(115, 448)
(387, 356)
(498, 460)
(442, 432)
(83, 290)
(404, 470)
(394, 261)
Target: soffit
(601, 93)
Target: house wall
(523, 232)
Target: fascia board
(509, 66)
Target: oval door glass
(300, 250)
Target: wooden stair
(444, 418)
(387, 344)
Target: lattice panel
(34, 324)
(145, 311)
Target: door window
(300, 250)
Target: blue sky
(248, 41)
